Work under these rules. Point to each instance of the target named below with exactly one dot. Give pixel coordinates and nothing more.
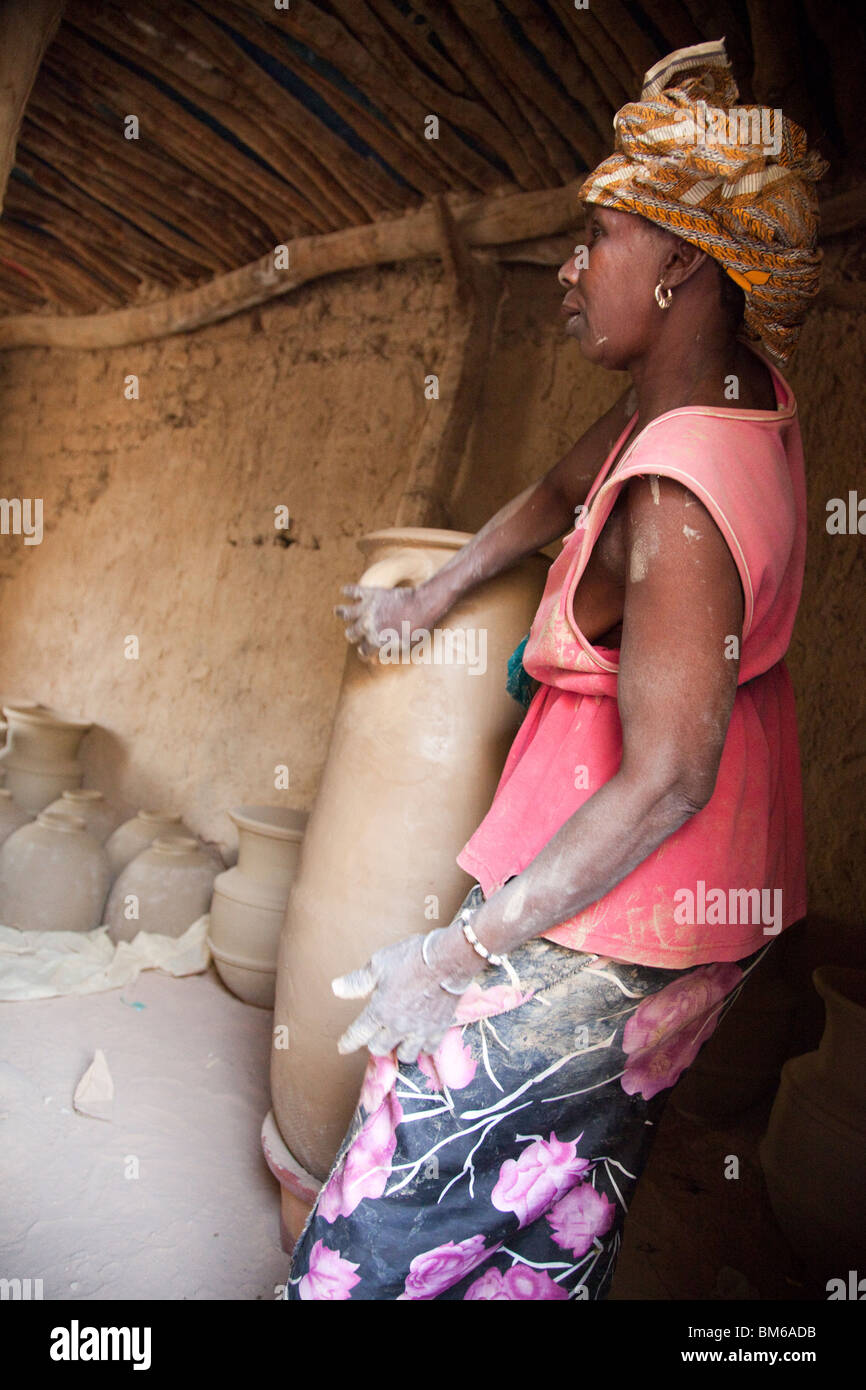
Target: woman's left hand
(409, 1011)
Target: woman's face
(610, 307)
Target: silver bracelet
(476, 945)
(443, 984)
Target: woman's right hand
(375, 614)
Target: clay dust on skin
(644, 549)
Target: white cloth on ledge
(40, 964)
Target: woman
(645, 843)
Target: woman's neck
(683, 370)
(706, 367)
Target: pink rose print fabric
(501, 1168)
(528, 1185)
(580, 1217)
(366, 1167)
(329, 1275)
(436, 1270)
(518, 1282)
(379, 1079)
(666, 1032)
(451, 1065)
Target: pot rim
(59, 820)
(49, 718)
(256, 818)
(434, 536)
(174, 844)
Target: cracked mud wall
(159, 523)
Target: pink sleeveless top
(733, 875)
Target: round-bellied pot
(100, 817)
(416, 750)
(139, 833)
(814, 1152)
(167, 887)
(12, 817)
(249, 900)
(54, 876)
(40, 756)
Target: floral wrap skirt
(502, 1166)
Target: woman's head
(632, 269)
(704, 172)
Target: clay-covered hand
(409, 1012)
(375, 611)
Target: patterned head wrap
(736, 181)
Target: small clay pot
(138, 834)
(249, 900)
(167, 887)
(54, 876)
(100, 817)
(41, 754)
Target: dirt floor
(200, 1219)
(190, 1070)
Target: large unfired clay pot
(100, 817)
(249, 900)
(54, 876)
(814, 1152)
(139, 833)
(171, 883)
(12, 817)
(415, 754)
(40, 756)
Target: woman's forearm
(590, 854)
(540, 514)
(529, 521)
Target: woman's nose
(568, 272)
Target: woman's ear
(681, 263)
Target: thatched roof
(258, 125)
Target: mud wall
(159, 525)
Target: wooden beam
(152, 40)
(603, 56)
(447, 161)
(559, 125)
(26, 29)
(493, 91)
(490, 221)
(262, 200)
(576, 78)
(523, 226)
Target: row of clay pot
(55, 874)
(162, 876)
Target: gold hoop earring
(663, 300)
